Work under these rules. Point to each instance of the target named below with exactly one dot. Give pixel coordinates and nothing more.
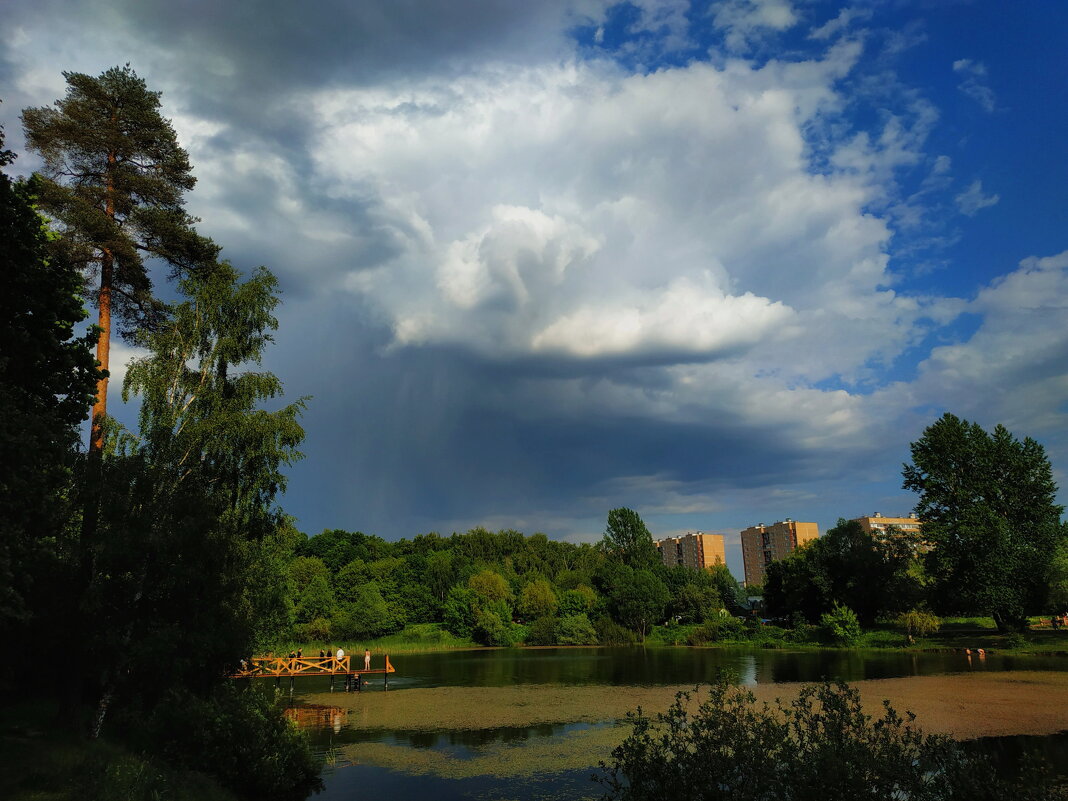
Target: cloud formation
(974, 83)
(972, 200)
(744, 21)
(541, 260)
(587, 213)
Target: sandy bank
(963, 705)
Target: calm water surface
(347, 778)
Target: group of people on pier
(325, 654)
(329, 660)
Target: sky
(716, 262)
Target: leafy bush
(491, 629)
(542, 632)
(426, 634)
(611, 633)
(99, 770)
(1015, 640)
(317, 630)
(770, 632)
(459, 615)
(840, 626)
(701, 635)
(576, 630)
(538, 600)
(918, 624)
(518, 632)
(820, 746)
(671, 632)
(725, 628)
(241, 738)
(579, 601)
(804, 632)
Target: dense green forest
(499, 588)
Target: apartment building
(877, 524)
(762, 545)
(697, 550)
(879, 527)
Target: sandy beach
(963, 705)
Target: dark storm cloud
(305, 265)
(424, 436)
(247, 63)
(248, 58)
(283, 44)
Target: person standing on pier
(367, 659)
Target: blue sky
(718, 262)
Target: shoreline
(962, 705)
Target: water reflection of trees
(318, 717)
(622, 666)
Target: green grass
(968, 623)
(955, 634)
(418, 638)
(42, 762)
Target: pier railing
(286, 666)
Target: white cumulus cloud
(974, 83)
(588, 213)
(972, 200)
(744, 20)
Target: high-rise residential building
(762, 545)
(698, 551)
(877, 524)
(879, 527)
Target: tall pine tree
(114, 182)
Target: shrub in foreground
(241, 738)
(820, 746)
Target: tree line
(992, 540)
(500, 588)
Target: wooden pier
(280, 667)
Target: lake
(534, 722)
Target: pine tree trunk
(94, 470)
(103, 356)
(103, 342)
